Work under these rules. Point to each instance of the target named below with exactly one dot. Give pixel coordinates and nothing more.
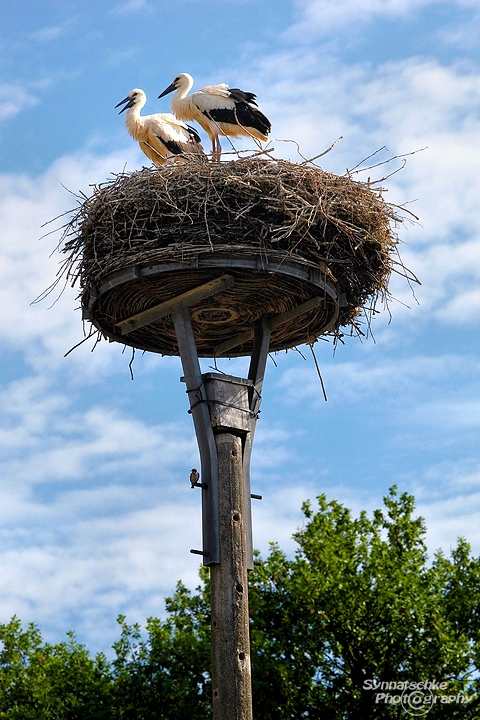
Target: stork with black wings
(161, 135)
(219, 110)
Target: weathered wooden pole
(231, 670)
(229, 400)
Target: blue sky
(96, 514)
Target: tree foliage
(39, 680)
(336, 632)
(359, 605)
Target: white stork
(160, 136)
(220, 110)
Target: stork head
(184, 82)
(134, 97)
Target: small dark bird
(194, 477)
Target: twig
(324, 152)
(384, 162)
(310, 345)
(367, 158)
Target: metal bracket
(256, 373)
(203, 429)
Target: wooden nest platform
(309, 249)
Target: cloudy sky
(96, 514)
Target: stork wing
(205, 102)
(242, 96)
(174, 134)
(221, 90)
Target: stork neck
(133, 119)
(183, 91)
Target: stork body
(160, 136)
(219, 110)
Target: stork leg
(213, 148)
(216, 149)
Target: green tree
(361, 604)
(39, 681)
(160, 674)
(166, 674)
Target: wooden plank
(233, 342)
(274, 322)
(185, 300)
(295, 312)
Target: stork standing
(220, 110)
(160, 136)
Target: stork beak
(129, 104)
(169, 89)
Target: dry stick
(403, 208)
(310, 345)
(324, 152)
(384, 147)
(406, 275)
(255, 140)
(265, 151)
(295, 143)
(385, 177)
(227, 136)
(156, 152)
(130, 364)
(384, 162)
(91, 334)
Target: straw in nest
(182, 216)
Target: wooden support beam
(204, 432)
(274, 322)
(233, 342)
(296, 311)
(256, 372)
(185, 300)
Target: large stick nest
(190, 212)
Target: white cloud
(321, 17)
(47, 34)
(98, 567)
(447, 497)
(59, 441)
(29, 263)
(96, 518)
(414, 378)
(14, 99)
(134, 6)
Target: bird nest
(286, 232)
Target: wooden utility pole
(231, 670)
